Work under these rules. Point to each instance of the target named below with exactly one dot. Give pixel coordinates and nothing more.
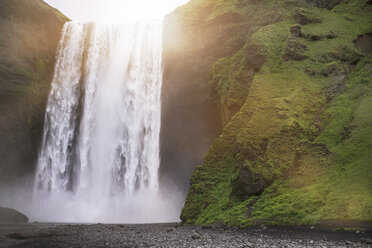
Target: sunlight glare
(115, 10)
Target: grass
(308, 150)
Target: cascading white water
(99, 159)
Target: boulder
(254, 56)
(295, 50)
(296, 30)
(303, 17)
(364, 43)
(8, 215)
(249, 183)
(329, 4)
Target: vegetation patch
(297, 148)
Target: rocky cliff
(291, 81)
(30, 32)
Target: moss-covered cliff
(30, 31)
(293, 87)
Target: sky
(115, 10)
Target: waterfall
(99, 158)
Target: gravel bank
(172, 235)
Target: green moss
(229, 84)
(300, 129)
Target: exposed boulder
(8, 215)
(249, 183)
(303, 17)
(254, 56)
(364, 43)
(296, 30)
(295, 50)
(329, 4)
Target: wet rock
(303, 17)
(15, 236)
(8, 215)
(295, 50)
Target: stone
(8, 215)
(296, 30)
(295, 50)
(248, 183)
(303, 17)
(329, 4)
(254, 56)
(364, 43)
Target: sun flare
(115, 10)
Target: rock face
(30, 32)
(8, 215)
(193, 109)
(293, 101)
(190, 119)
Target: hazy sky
(115, 10)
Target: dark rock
(329, 4)
(8, 215)
(367, 241)
(303, 17)
(369, 2)
(249, 184)
(296, 30)
(195, 237)
(254, 56)
(364, 43)
(15, 236)
(295, 50)
(315, 37)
